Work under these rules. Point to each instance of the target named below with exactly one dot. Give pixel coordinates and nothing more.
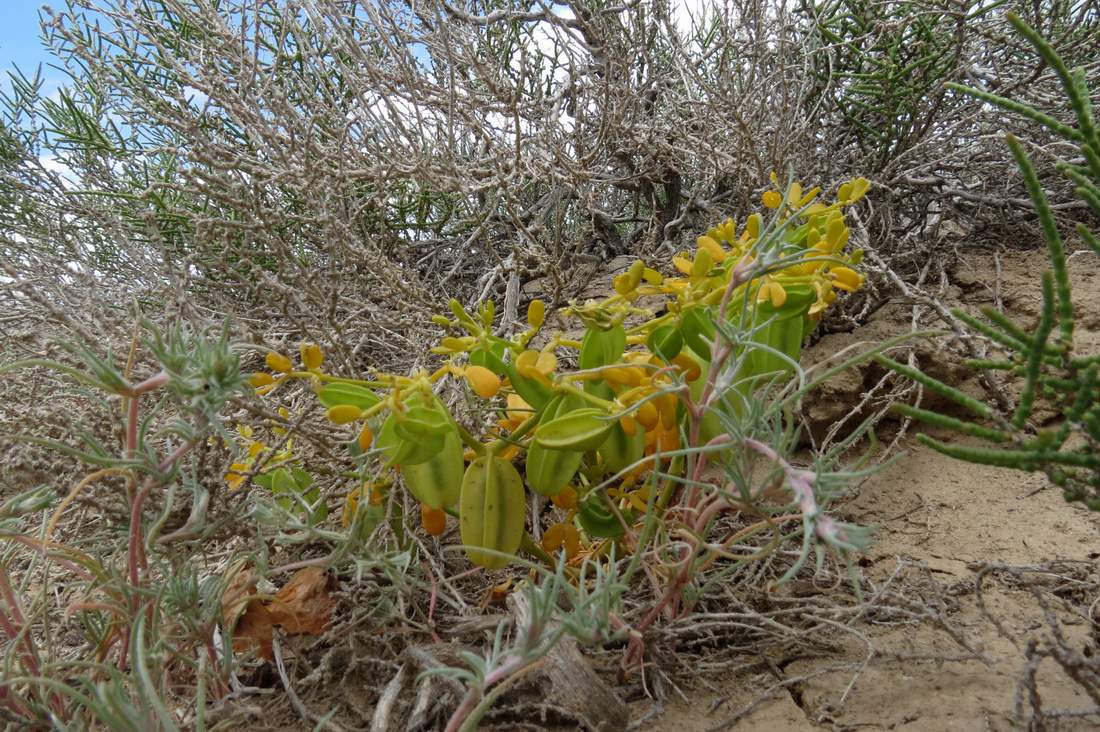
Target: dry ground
(940, 521)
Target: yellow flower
(713, 247)
(484, 382)
(312, 356)
(516, 413)
(537, 365)
(846, 279)
(236, 475)
(562, 535)
(772, 199)
(278, 362)
(701, 266)
(285, 414)
(825, 296)
(621, 284)
(772, 291)
(853, 190)
(260, 378)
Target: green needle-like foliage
(1046, 357)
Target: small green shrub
(1048, 357)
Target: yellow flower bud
(484, 382)
(727, 231)
(536, 313)
(795, 193)
(772, 199)
(278, 362)
(457, 344)
(312, 356)
(621, 283)
(366, 437)
(647, 415)
(774, 292)
(344, 413)
(752, 226)
(260, 378)
(635, 274)
(713, 248)
(809, 196)
(837, 230)
(702, 264)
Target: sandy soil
(939, 520)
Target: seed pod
(492, 511)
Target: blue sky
(19, 36)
